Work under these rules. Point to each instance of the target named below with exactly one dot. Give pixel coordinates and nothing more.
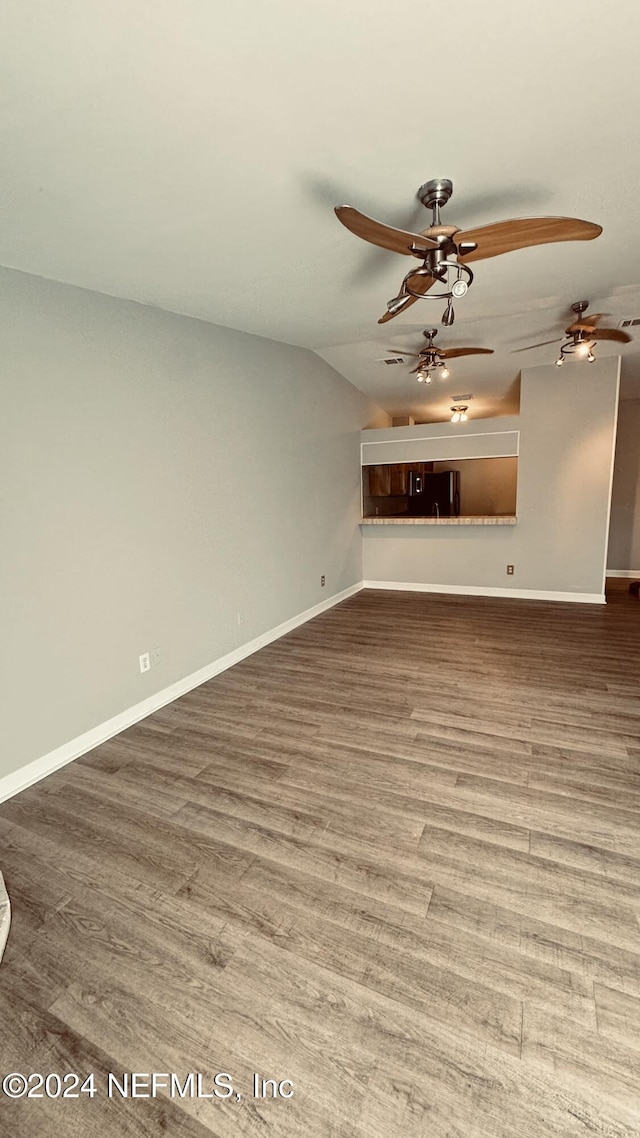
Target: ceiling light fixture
(459, 413)
(579, 345)
(459, 288)
(448, 316)
(430, 363)
(397, 303)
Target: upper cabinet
(379, 481)
(398, 479)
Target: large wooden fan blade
(542, 344)
(586, 323)
(401, 352)
(612, 334)
(451, 353)
(505, 236)
(396, 240)
(419, 284)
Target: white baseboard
(26, 776)
(630, 574)
(487, 591)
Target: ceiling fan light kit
(397, 303)
(423, 374)
(417, 281)
(583, 349)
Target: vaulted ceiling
(188, 154)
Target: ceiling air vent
(390, 361)
(630, 322)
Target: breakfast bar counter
(405, 520)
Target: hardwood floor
(394, 858)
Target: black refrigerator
(434, 495)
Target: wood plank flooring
(393, 857)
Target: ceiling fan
(445, 250)
(431, 359)
(581, 337)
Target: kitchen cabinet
(391, 480)
(379, 481)
(388, 481)
(399, 479)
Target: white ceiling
(188, 154)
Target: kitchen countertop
(406, 520)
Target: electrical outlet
(145, 662)
(510, 569)
(155, 657)
(323, 580)
(240, 616)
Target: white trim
(429, 438)
(25, 776)
(611, 468)
(625, 574)
(456, 436)
(488, 591)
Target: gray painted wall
(567, 431)
(624, 534)
(159, 474)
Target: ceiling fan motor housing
(580, 306)
(435, 192)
